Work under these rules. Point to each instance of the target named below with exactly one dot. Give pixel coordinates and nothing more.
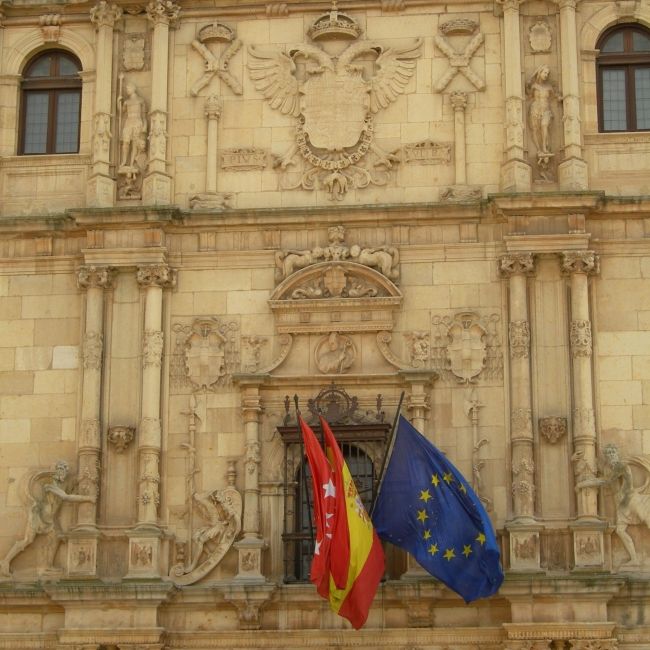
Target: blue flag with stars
(426, 507)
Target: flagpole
(389, 450)
(303, 478)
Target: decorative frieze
(580, 338)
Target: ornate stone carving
(222, 509)
(587, 262)
(523, 488)
(156, 275)
(163, 11)
(211, 201)
(553, 428)
(384, 259)
(46, 492)
(419, 349)
(582, 469)
(92, 350)
(134, 51)
(459, 61)
(516, 264)
(206, 353)
(335, 354)
(521, 422)
(514, 122)
(90, 277)
(519, 338)
(152, 347)
(526, 548)
(158, 135)
(593, 644)
(132, 112)
(539, 36)
(105, 14)
(460, 194)
(216, 66)
(580, 338)
(472, 406)
(244, 159)
(254, 346)
(466, 346)
(332, 153)
(541, 94)
(253, 457)
(426, 152)
(141, 555)
(101, 136)
(632, 502)
(89, 433)
(120, 437)
(50, 27)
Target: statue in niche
(46, 492)
(540, 115)
(132, 111)
(632, 503)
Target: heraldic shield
(467, 349)
(205, 354)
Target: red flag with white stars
(324, 492)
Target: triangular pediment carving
(341, 295)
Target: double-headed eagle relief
(334, 99)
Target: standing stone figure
(632, 505)
(540, 116)
(42, 518)
(134, 126)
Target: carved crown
(458, 26)
(334, 24)
(216, 32)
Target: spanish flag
(354, 541)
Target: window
(50, 104)
(623, 68)
(362, 439)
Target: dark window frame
(629, 61)
(54, 85)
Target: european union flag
(426, 507)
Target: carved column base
(250, 560)
(249, 601)
(572, 174)
(524, 547)
(82, 555)
(144, 553)
(516, 176)
(589, 546)
(156, 189)
(100, 192)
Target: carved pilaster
(105, 14)
(156, 275)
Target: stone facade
(269, 200)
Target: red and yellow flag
(363, 551)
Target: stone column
(572, 171)
(516, 173)
(524, 533)
(156, 187)
(82, 545)
(459, 102)
(101, 186)
(145, 538)
(578, 266)
(251, 546)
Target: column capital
(516, 264)
(105, 14)
(163, 12)
(568, 4)
(213, 107)
(156, 275)
(458, 100)
(509, 5)
(91, 277)
(587, 262)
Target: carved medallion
(539, 37)
(335, 354)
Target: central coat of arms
(334, 99)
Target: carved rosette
(121, 437)
(152, 347)
(92, 277)
(519, 337)
(92, 350)
(163, 12)
(587, 262)
(580, 338)
(553, 428)
(105, 14)
(156, 275)
(516, 264)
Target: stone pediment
(341, 295)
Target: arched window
(50, 104)
(623, 67)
